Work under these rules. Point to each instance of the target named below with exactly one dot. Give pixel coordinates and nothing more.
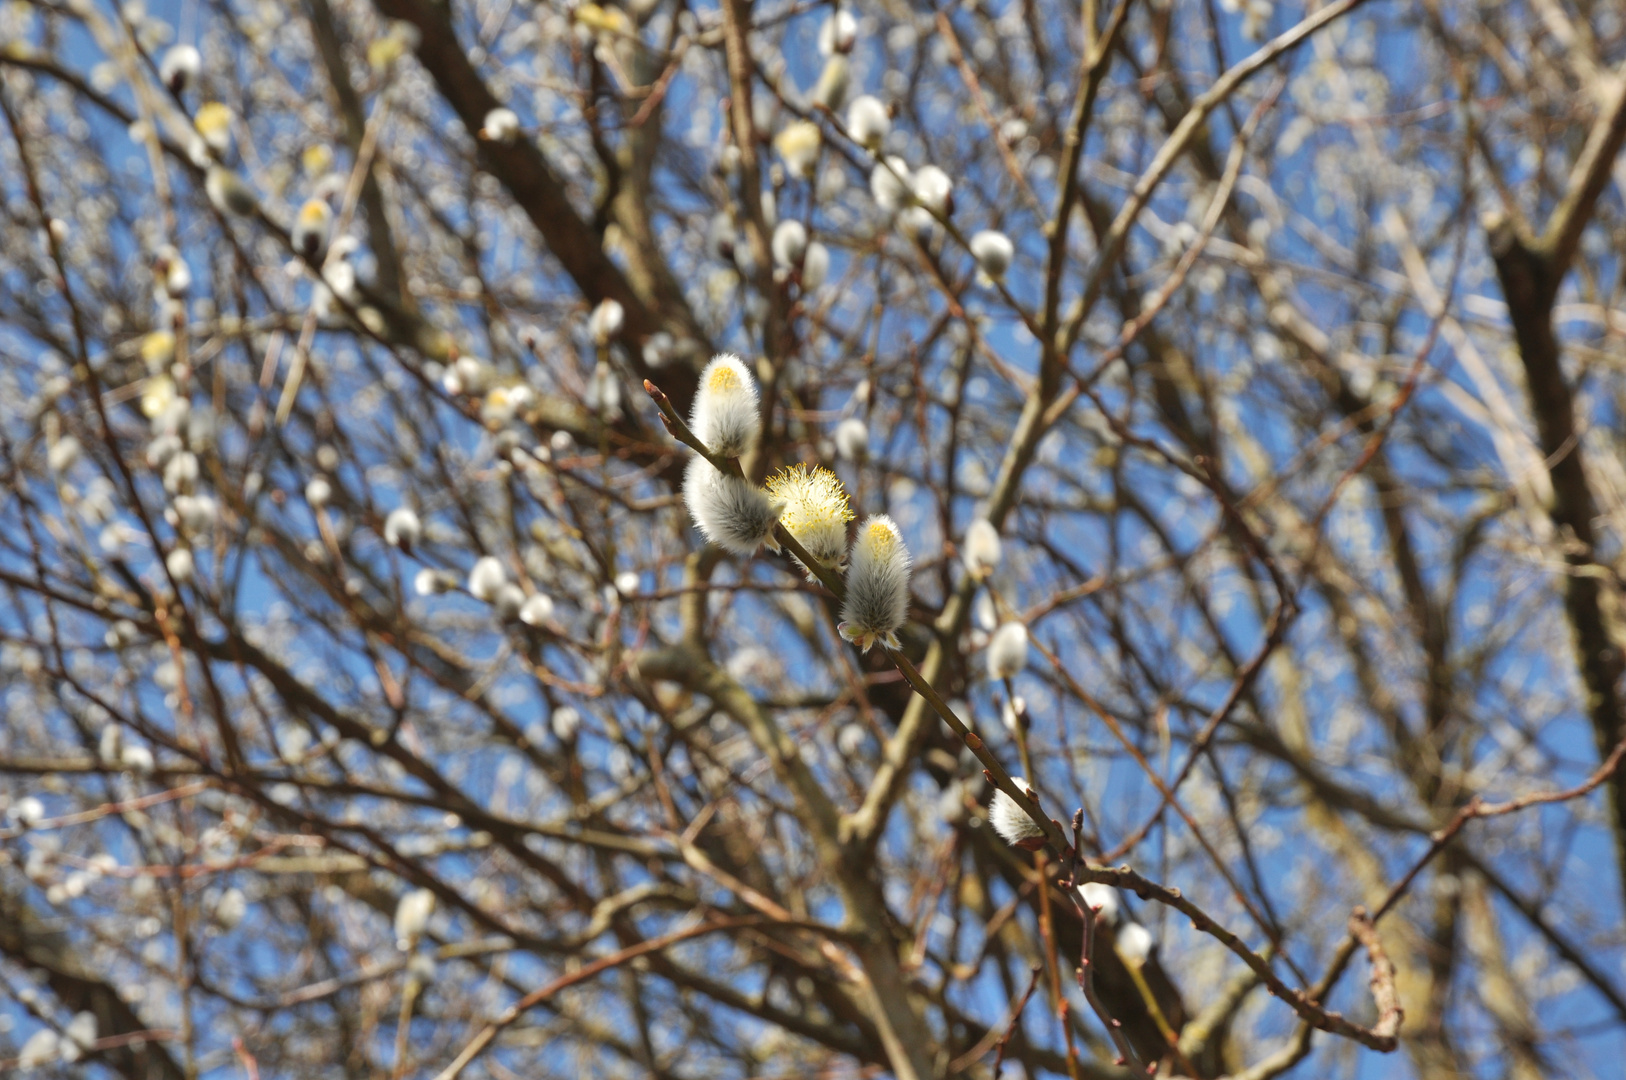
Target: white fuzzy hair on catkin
(1135, 943)
(1103, 899)
(732, 512)
(1009, 820)
(1008, 651)
(983, 549)
(727, 416)
(877, 600)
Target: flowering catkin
(402, 528)
(789, 243)
(732, 512)
(983, 549)
(487, 579)
(412, 917)
(1008, 652)
(816, 510)
(993, 252)
(868, 122)
(877, 600)
(1102, 899)
(1011, 822)
(726, 415)
(1135, 943)
(933, 190)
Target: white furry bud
(180, 564)
(889, 184)
(402, 529)
(982, 550)
(537, 609)
(838, 33)
(228, 193)
(230, 909)
(1103, 899)
(1011, 822)
(487, 578)
(798, 144)
(815, 266)
(934, 190)
(432, 582)
(606, 321)
(565, 722)
(831, 89)
(1008, 651)
(877, 602)
(501, 126)
(726, 415)
(412, 917)
(318, 492)
(789, 243)
(732, 512)
(179, 67)
(868, 122)
(993, 252)
(852, 439)
(1134, 943)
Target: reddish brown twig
(1390, 1014)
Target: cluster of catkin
(809, 503)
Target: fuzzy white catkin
(501, 126)
(179, 67)
(852, 439)
(181, 565)
(838, 33)
(412, 917)
(789, 243)
(81, 1030)
(916, 222)
(831, 89)
(62, 454)
(1008, 651)
(111, 743)
(606, 321)
(889, 184)
(1134, 943)
(983, 549)
(798, 145)
(868, 122)
(487, 578)
(816, 510)
(137, 759)
(732, 512)
(509, 600)
(430, 582)
(934, 190)
(815, 266)
(565, 722)
(727, 416)
(318, 491)
(877, 601)
(1103, 898)
(230, 909)
(227, 191)
(993, 252)
(402, 528)
(1009, 820)
(42, 1048)
(537, 609)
